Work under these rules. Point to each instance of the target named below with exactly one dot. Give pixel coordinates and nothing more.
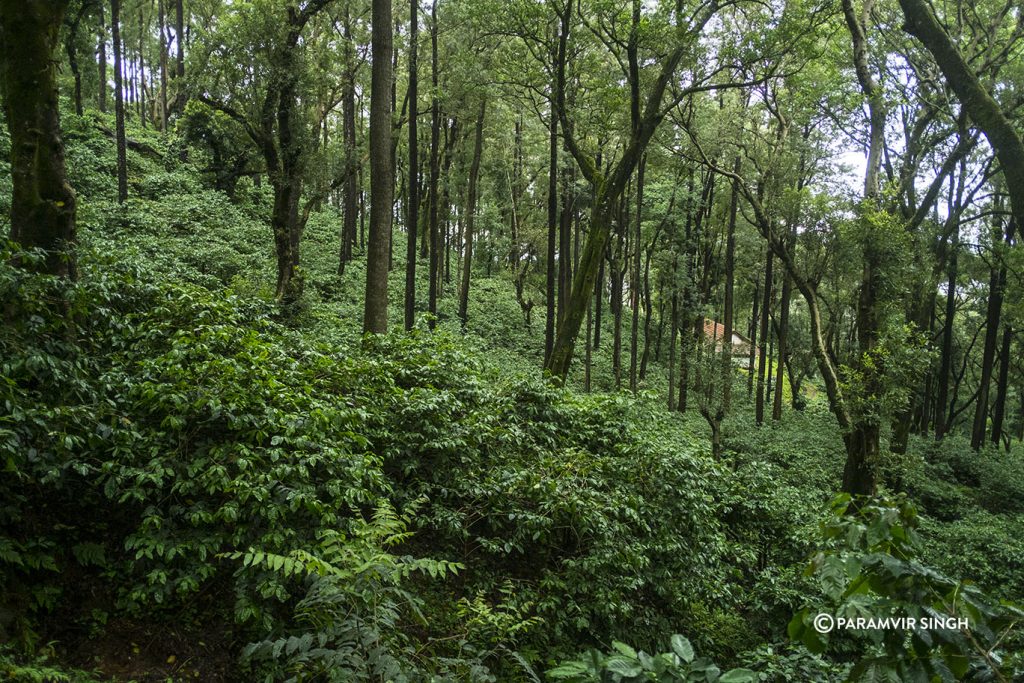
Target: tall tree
(413, 198)
(42, 202)
(553, 225)
(122, 153)
(71, 48)
(609, 186)
(350, 189)
(471, 192)
(101, 56)
(435, 174)
(280, 129)
(375, 315)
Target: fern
(346, 627)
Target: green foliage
(179, 413)
(347, 626)
(40, 669)
(604, 524)
(869, 569)
(627, 665)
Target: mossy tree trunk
(42, 202)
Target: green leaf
(624, 649)
(623, 666)
(682, 647)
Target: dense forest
(512, 340)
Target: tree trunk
(474, 172)
(71, 47)
(42, 202)
(609, 187)
(752, 352)
(179, 61)
(350, 196)
(618, 265)
(122, 154)
(997, 281)
(762, 368)
(375, 316)
(412, 225)
(783, 334)
(163, 65)
(553, 225)
(634, 285)
(598, 304)
(728, 304)
(444, 270)
(435, 172)
(588, 352)
(946, 359)
(673, 325)
(565, 247)
(142, 68)
(1002, 385)
(101, 58)
(862, 438)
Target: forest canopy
(511, 340)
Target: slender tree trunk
(163, 64)
(566, 259)
(634, 285)
(783, 348)
(71, 47)
(995, 304)
(435, 172)
(101, 58)
(412, 225)
(350, 197)
(553, 224)
(179, 59)
(375, 316)
(946, 358)
(673, 325)
(42, 202)
(122, 154)
(587, 359)
(728, 304)
(762, 368)
(474, 172)
(618, 271)
(1002, 385)
(142, 68)
(444, 270)
(648, 314)
(598, 304)
(752, 352)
